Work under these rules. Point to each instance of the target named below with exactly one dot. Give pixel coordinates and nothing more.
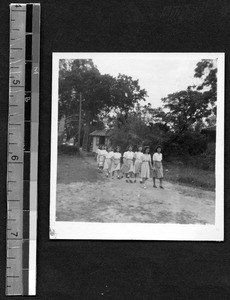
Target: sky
(159, 76)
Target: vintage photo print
(137, 146)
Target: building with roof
(100, 137)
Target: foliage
(207, 72)
(185, 108)
(101, 93)
(134, 130)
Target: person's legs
(135, 175)
(154, 182)
(161, 180)
(144, 181)
(130, 176)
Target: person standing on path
(128, 167)
(146, 165)
(116, 163)
(97, 155)
(137, 164)
(108, 161)
(101, 158)
(157, 167)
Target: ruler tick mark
(13, 247)
(13, 200)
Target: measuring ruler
(22, 158)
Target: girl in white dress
(137, 164)
(146, 165)
(128, 166)
(116, 163)
(101, 158)
(97, 155)
(108, 161)
(157, 167)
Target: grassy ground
(191, 176)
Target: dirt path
(84, 195)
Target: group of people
(131, 165)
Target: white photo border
(140, 231)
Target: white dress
(101, 157)
(116, 162)
(138, 160)
(128, 166)
(108, 161)
(98, 153)
(145, 168)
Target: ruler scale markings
(15, 287)
(22, 149)
(27, 137)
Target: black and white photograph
(137, 146)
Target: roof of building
(103, 132)
(208, 129)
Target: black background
(119, 269)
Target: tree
(206, 70)
(185, 108)
(189, 108)
(101, 93)
(126, 93)
(133, 129)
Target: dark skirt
(158, 172)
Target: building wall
(95, 143)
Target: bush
(66, 149)
(202, 161)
